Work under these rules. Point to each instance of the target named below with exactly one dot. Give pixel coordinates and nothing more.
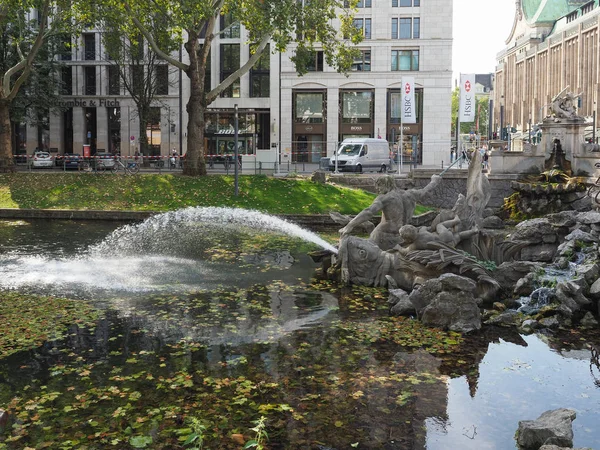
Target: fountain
(206, 331)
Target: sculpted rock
(508, 273)
(402, 306)
(365, 227)
(448, 302)
(551, 428)
(453, 311)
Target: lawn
(155, 192)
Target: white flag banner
(467, 98)
(409, 114)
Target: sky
(481, 28)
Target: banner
(409, 114)
(466, 111)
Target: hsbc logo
(467, 86)
(407, 88)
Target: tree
(26, 27)
(481, 118)
(309, 24)
(140, 72)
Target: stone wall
(445, 195)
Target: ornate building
(552, 46)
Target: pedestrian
(486, 157)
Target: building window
(363, 62)
(114, 129)
(66, 81)
(136, 48)
(361, 4)
(90, 80)
(416, 28)
(65, 48)
(137, 79)
(260, 75)
(365, 26)
(395, 102)
(230, 62)
(406, 28)
(229, 29)
(316, 63)
(89, 47)
(357, 106)
(153, 132)
(114, 80)
(405, 60)
(207, 73)
(406, 3)
(308, 107)
(162, 79)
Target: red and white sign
(408, 107)
(468, 101)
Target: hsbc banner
(467, 98)
(409, 114)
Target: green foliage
(260, 435)
(169, 192)
(195, 440)
(482, 108)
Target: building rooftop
(540, 11)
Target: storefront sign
(89, 103)
(315, 128)
(467, 98)
(408, 100)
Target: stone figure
(563, 105)
(396, 206)
(421, 238)
(478, 195)
(364, 263)
(409, 255)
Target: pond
(214, 336)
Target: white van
(362, 154)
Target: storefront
(219, 132)
(309, 126)
(357, 114)
(412, 134)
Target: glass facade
(357, 107)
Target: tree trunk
(7, 163)
(143, 141)
(195, 163)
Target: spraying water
(164, 253)
(169, 228)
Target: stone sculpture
(396, 206)
(563, 106)
(397, 254)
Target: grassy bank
(155, 192)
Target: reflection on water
(212, 329)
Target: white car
(42, 159)
(105, 161)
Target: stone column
(333, 120)
(101, 129)
(79, 137)
(57, 128)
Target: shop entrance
(308, 148)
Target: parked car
(72, 161)
(42, 159)
(104, 161)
